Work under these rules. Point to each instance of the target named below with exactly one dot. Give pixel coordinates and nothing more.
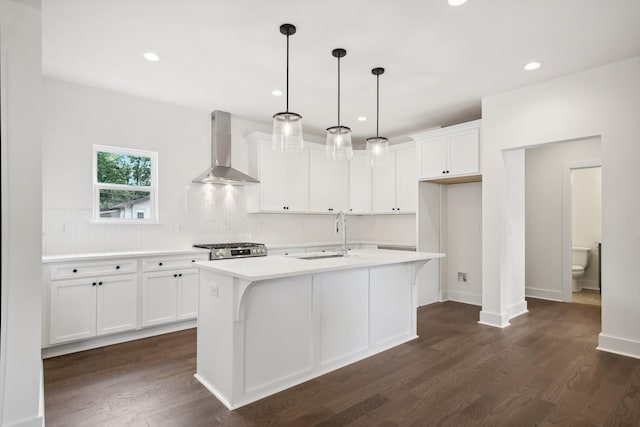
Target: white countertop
(272, 267)
(335, 243)
(113, 255)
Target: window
(125, 185)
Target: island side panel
(215, 334)
(392, 304)
(278, 333)
(342, 304)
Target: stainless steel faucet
(344, 251)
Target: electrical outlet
(213, 289)
(462, 277)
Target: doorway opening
(584, 206)
(550, 169)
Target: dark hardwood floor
(542, 370)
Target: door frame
(567, 222)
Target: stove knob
(219, 252)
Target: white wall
(602, 101)
(461, 240)
(20, 362)
(398, 229)
(586, 212)
(544, 204)
(78, 116)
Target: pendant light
(378, 146)
(338, 145)
(287, 126)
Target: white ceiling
(229, 54)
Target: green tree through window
(124, 184)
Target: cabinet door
(406, 180)
(464, 153)
(328, 183)
(159, 298)
(284, 180)
(188, 294)
(384, 185)
(73, 310)
(433, 158)
(360, 183)
(117, 303)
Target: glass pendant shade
(338, 145)
(378, 148)
(287, 126)
(287, 132)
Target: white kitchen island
(268, 323)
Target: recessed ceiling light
(362, 119)
(532, 66)
(151, 56)
(276, 92)
(457, 2)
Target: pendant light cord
(287, 73)
(377, 104)
(338, 91)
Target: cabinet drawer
(70, 270)
(172, 262)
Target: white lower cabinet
(168, 296)
(94, 306)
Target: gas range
(233, 250)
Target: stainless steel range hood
(221, 171)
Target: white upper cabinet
(284, 177)
(384, 185)
(328, 182)
(406, 180)
(395, 184)
(449, 152)
(360, 183)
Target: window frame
(152, 189)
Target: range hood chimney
(221, 171)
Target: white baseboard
(589, 284)
(517, 309)
(617, 345)
(31, 422)
(497, 320)
(543, 294)
(73, 347)
(464, 297)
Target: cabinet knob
(99, 283)
(193, 260)
(175, 275)
(180, 275)
(75, 270)
(117, 267)
(160, 264)
(444, 171)
(93, 284)
(350, 210)
(393, 209)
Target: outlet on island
(462, 277)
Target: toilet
(580, 261)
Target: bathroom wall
(587, 218)
(543, 212)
